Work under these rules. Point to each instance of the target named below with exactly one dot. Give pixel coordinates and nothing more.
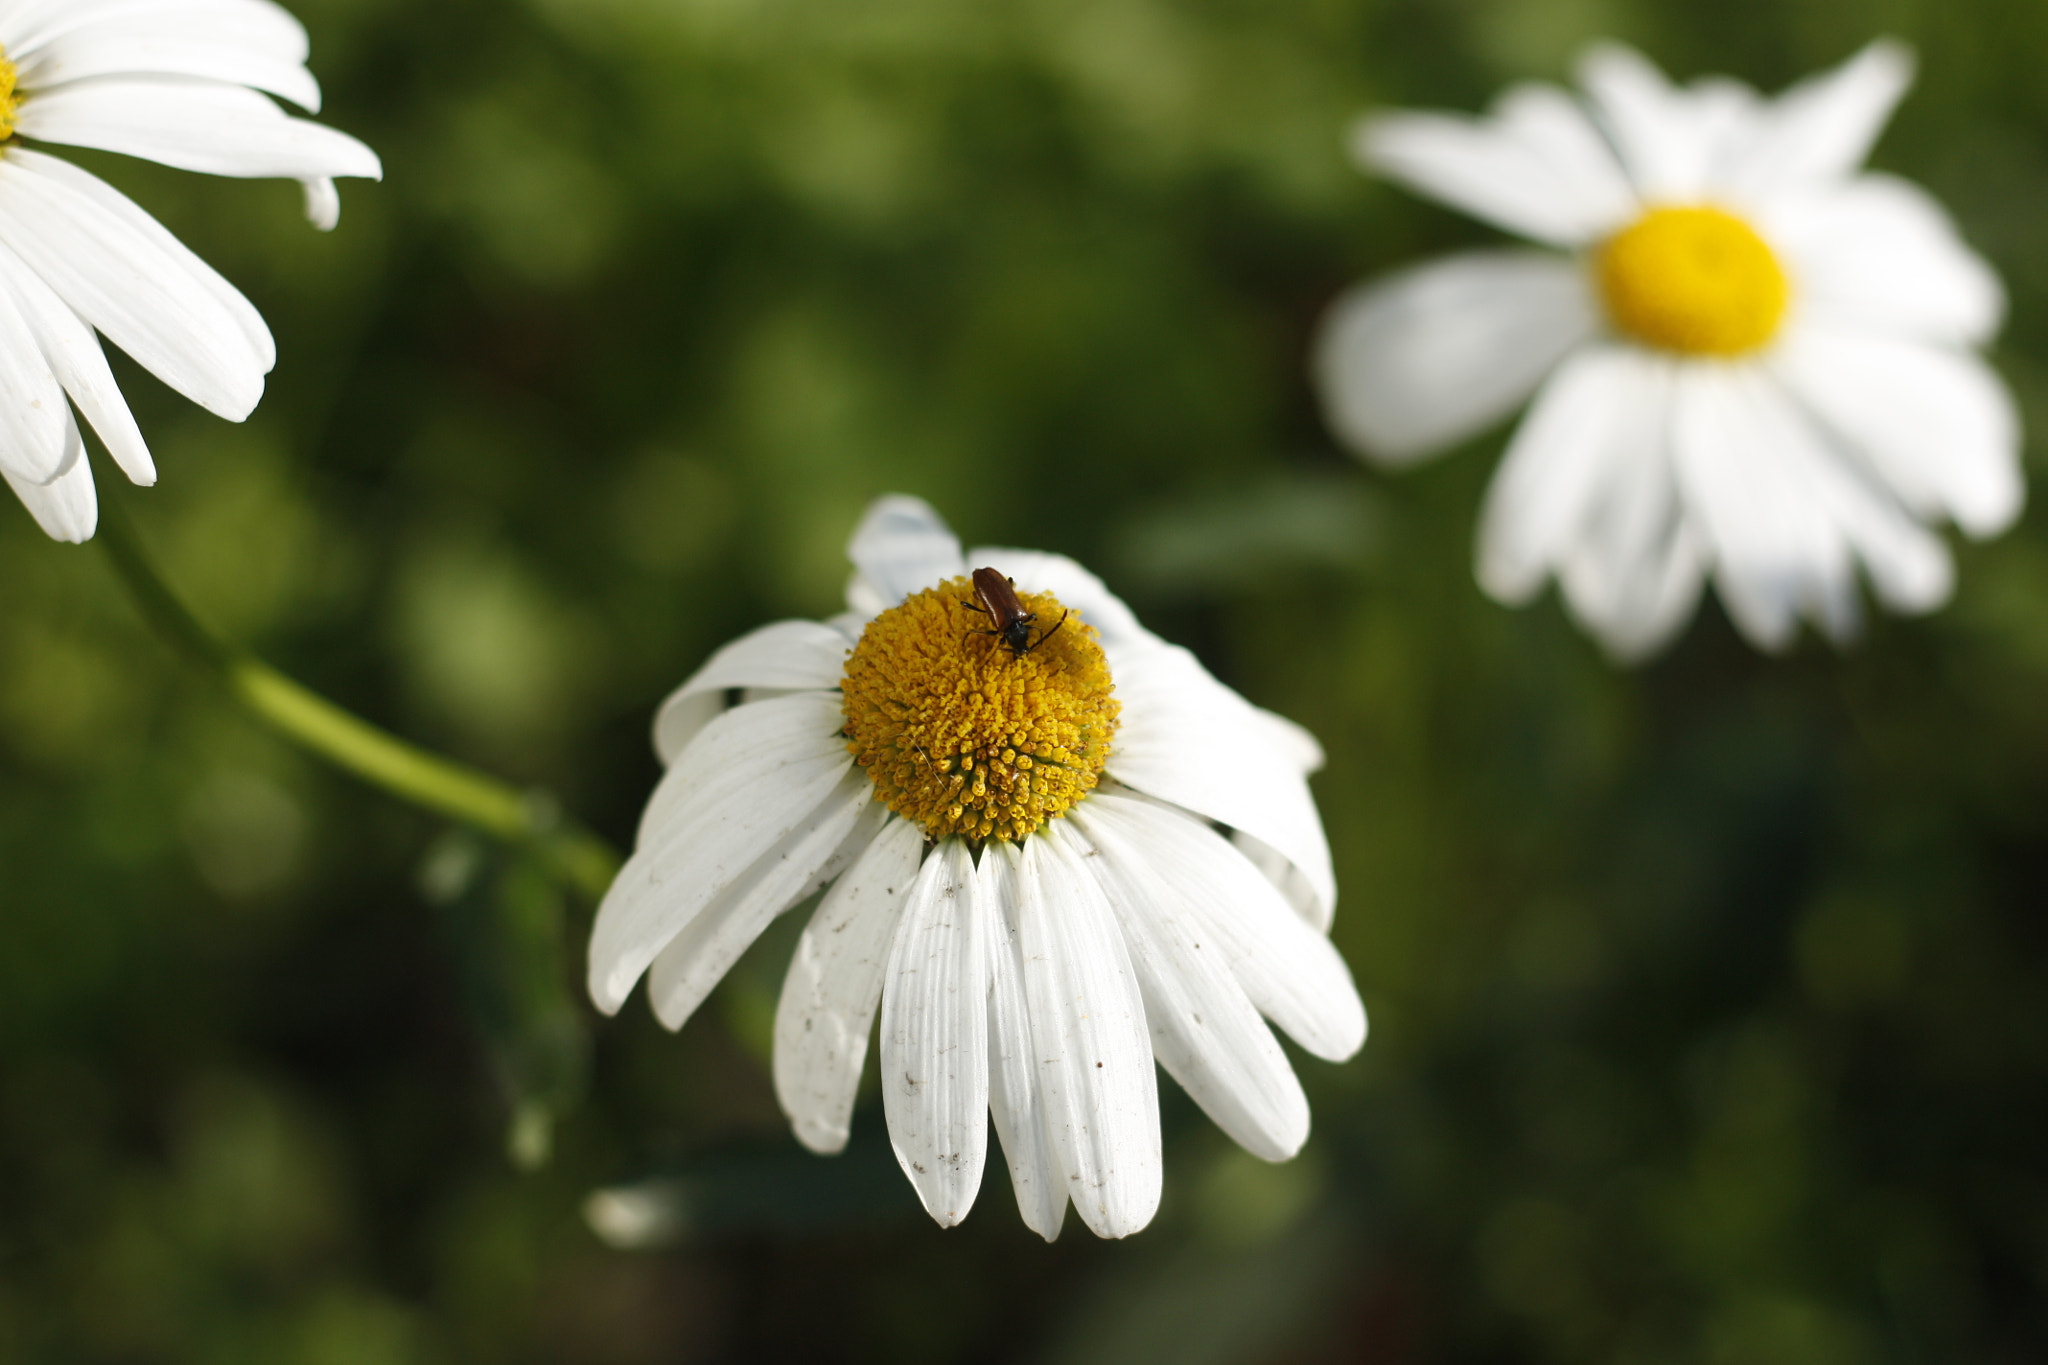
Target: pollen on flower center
(1694, 280)
(9, 101)
(963, 736)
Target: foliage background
(1707, 998)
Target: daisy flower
(182, 82)
(1750, 359)
(1049, 858)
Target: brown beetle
(997, 596)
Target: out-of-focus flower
(1048, 866)
(1750, 358)
(182, 82)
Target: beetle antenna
(1054, 631)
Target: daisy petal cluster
(187, 83)
(1047, 863)
(1751, 360)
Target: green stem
(582, 859)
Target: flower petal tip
(609, 989)
(822, 1139)
(1607, 58)
(1896, 57)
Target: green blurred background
(1708, 999)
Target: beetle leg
(1054, 631)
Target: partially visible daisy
(1751, 359)
(180, 82)
(1048, 866)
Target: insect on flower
(1045, 879)
(997, 596)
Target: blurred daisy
(1048, 868)
(181, 82)
(1749, 358)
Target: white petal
(1303, 748)
(28, 26)
(1587, 492)
(164, 46)
(1291, 973)
(1205, 1031)
(834, 983)
(935, 1036)
(1426, 357)
(74, 353)
(246, 318)
(36, 440)
(323, 202)
(811, 855)
(1937, 425)
(1188, 739)
(788, 656)
(1823, 128)
(1286, 878)
(1089, 1039)
(1909, 567)
(900, 547)
(1534, 166)
(744, 785)
(1589, 176)
(1633, 574)
(1015, 1100)
(1776, 552)
(1879, 252)
(1605, 406)
(1036, 571)
(1634, 618)
(124, 284)
(67, 508)
(1783, 514)
(1675, 143)
(193, 125)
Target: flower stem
(583, 861)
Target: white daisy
(1047, 867)
(1750, 359)
(176, 81)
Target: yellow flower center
(9, 101)
(962, 735)
(1694, 280)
